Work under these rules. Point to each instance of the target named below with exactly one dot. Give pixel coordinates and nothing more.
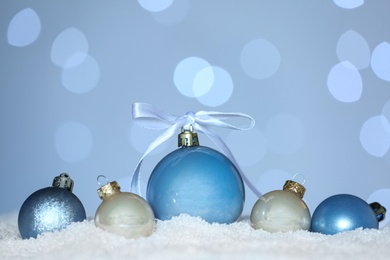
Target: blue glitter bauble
(342, 212)
(47, 210)
(198, 181)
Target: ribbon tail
(135, 185)
(135, 179)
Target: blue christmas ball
(48, 210)
(342, 212)
(198, 181)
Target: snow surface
(186, 237)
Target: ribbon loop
(150, 117)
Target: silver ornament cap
(63, 181)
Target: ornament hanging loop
(299, 174)
(191, 120)
(100, 177)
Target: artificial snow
(186, 237)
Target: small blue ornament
(198, 181)
(50, 209)
(345, 212)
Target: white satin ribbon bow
(148, 116)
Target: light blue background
(313, 74)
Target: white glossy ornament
(282, 210)
(123, 213)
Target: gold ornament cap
(63, 181)
(188, 138)
(108, 189)
(294, 187)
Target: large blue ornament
(345, 212)
(50, 209)
(198, 181)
